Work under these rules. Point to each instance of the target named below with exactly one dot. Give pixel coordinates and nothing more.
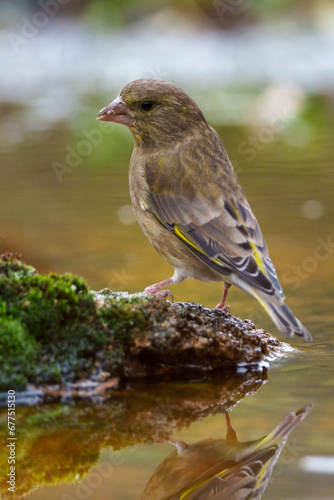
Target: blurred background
(263, 74)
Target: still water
(79, 219)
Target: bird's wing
(217, 488)
(209, 213)
(236, 480)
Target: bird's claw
(159, 293)
(225, 309)
(164, 294)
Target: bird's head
(157, 112)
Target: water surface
(79, 219)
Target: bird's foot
(221, 304)
(164, 294)
(156, 289)
(223, 308)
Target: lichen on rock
(55, 330)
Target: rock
(55, 331)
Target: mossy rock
(55, 330)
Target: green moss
(18, 353)
(49, 327)
(55, 330)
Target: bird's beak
(115, 112)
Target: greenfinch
(188, 200)
(220, 469)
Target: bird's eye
(147, 105)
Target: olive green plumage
(188, 200)
(220, 469)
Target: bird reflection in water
(220, 469)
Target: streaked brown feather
(209, 212)
(189, 202)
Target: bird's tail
(289, 422)
(277, 437)
(283, 317)
(268, 448)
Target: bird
(188, 200)
(221, 469)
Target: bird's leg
(231, 435)
(221, 304)
(157, 288)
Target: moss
(18, 353)
(49, 331)
(55, 330)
